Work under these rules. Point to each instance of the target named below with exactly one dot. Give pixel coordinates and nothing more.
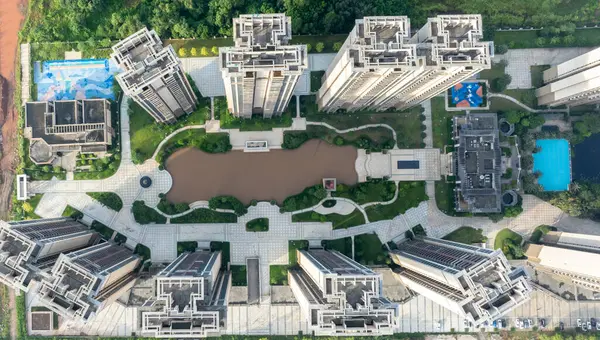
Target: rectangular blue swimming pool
(554, 162)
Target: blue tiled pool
(554, 162)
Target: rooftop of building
(262, 30)
(101, 257)
(478, 163)
(333, 262)
(565, 260)
(584, 241)
(197, 264)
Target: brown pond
(277, 174)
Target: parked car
(542, 323)
(495, 324)
(589, 325)
(584, 326)
(529, 323)
(593, 320)
(518, 323)
(578, 322)
(598, 326)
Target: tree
(308, 48)
(182, 52)
(194, 52)
(501, 49)
(204, 51)
(514, 116)
(499, 84)
(27, 207)
(215, 50)
(320, 46)
(337, 46)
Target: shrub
(258, 224)
(146, 215)
(501, 49)
(307, 198)
(320, 47)
(172, 208)
(337, 46)
(194, 52)
(214, 50)
(182, 52)
(501, 83)
(227, 202)
(108, 199)
(204, 51)
(308, 48)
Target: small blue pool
(554, 162)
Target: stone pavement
(520, 61)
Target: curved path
(501, 95)
(362, 127)
(166, 139)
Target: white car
(589, 325)
(518, 323)
(578, 322)
(598, 326)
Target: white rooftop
(568, 260)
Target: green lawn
(224, 247)
(293, 246)
(143, 251)
(203, 215)
(143, 214)
(313, 40)
(258, 224)
(537, 74)
(238, 276)
(108, 199)
(407, 124)
(195, 138)
(410, 194)
(375, 190)
(315, 80)
(72, 212)
(369, 250)
(371, 139)
(442, 123)
(343, 245)
(256, 123)
(466, 235)
(506, 234)
(529, 39)
(146, 134)
(444, 195)
(278, 275)
(103, 230)
(338, 221)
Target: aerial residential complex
(83, 282)
(380, 66)
(152, 76)
(27, 247)
(476, 283)
(191, 297)
(477, 163)
(82, 125)
(261, 71)
(574, 82)
(339, 296)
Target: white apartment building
(339, 296)
(27, 247)
(83, 282)
(572, 83)
(152, 76)
(380, 66)
(261, 71)
(476, 283)
(191, 296)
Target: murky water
(586, 159)
(262, 176)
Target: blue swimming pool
(554, 162)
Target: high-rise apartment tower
(152, 76)
(261, 71)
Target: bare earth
(262, 176)
(11, 17)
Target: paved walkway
(362, 127)
(501, 95)
(428, 140)
(520, 61)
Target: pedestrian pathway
(428, 140)
(501, 95)
(362, 127)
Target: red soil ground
(262, 176)
(11, 18)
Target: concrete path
(501, 95)
(428, 140)
(520, 61)
(362, 127)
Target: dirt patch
(263, 176)
(11, 18)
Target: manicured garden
(278, 275)
(108, 199)
(203, 215)
(256, 123)
(195, 138)
(229, 203)
(343, 245)
(171, 208)
(143, 214)
(370, 251)
(444, 195)
(25, 210)
(466, 235)
(143, 251)
(257, 225)
(410, 194)
(510, 243)
(539, 232)
(238, 276)
(292, 247)
(442, 123)
(338, 221)
(375, 190)
(72, 212)
(309, 197)
(187, 246)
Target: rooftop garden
(258, 224)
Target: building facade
(191, 296)
(261, 71)
(574, 82)
(152, 76)
(339, 296)
(82, 125)
(476, 283)
(380, 66)
(83, 282)
(28, 247)
(477, 163)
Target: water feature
(554, 162)
(586, 159)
